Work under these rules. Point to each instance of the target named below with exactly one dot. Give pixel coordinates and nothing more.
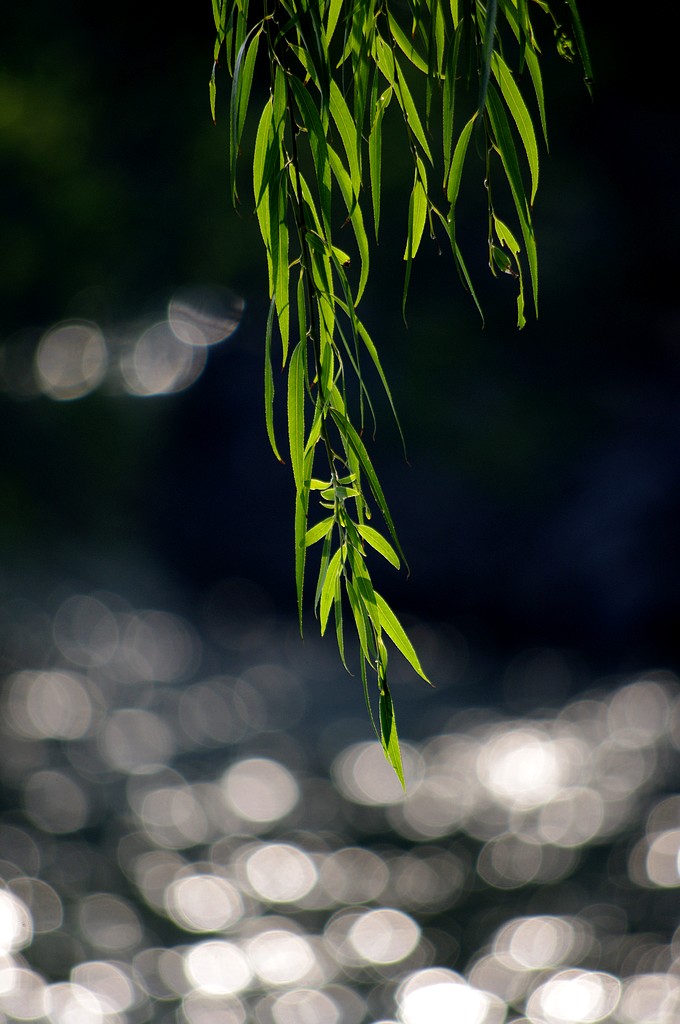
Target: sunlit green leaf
(319, 530)
(521, 116)
(487, 51)
(410, 111)
(358, 447)
(406, 45)
(395, 631)
(355, 216)
(334, 8)
(457, 161)
(388, 726)
(375, 154)
(377, 541)
(417, 213)
(362, 621)
(581, 43)
(269, 382)
(506, 150)
(296, 413)
(328, 590)
(240, 94)
(348, 133)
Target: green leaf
(395, 631)
(457, 161)
(296, 413)
(377, 541)
(269, 382)
(581, 44)
(405, 44)
(355, 216)
(375, 154)
(410, 112)
(417, 213)
(449, 96)
(265, 156)
(334, 8)
(212, 91)
(354, 442)
(328, 591)
(361, 621)
(339, 631)
(301, 509)
(388, 726)
(487, 51)
(367, 698)
(348, 133)
(323, 566)
(317, 143)
(279, 254)
(240, 94)
(319, 530)
(506, 150)
(521, 116)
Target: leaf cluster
(464, 72)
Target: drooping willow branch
(335, 68)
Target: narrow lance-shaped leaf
(348, 133)
(406, 45)
(269, 382)
(334, 8)
(529, 57)
(367, 698)
(328, 591)
(521, 116)
(278, 220)
(457, 161)
(317, 143)
(375, 154)
(240, 94)
(356, 444)
(487, 51)
(377, 541)
(449, 97)
(581, 43)
(319, 530)
(417, 215)
(361, 621)
(355, 216)
(339, 627)
(410, 111)
(388, 722)
(296, 417)
(395, 631)
(506, 150)
(323, 566)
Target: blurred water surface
(197, 827)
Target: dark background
(539, 506)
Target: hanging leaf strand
(337, 69)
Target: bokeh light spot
(439, 996)
(160, 364)
(203, 903)
(217, 967)
(16, 923)
(574, 997)
(71, 360)
(260, 790)
(384, 936)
